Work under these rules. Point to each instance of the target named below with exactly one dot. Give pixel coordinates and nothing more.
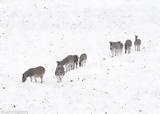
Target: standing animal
(116, 48)
(75, 60)
(113, 48)
(82, 59)
(119, 48)
(68, 62)
(137, 43)
(34, 72)
(128, 45)
(59, 73)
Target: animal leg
(125, 51)
(115, 52)
(41, 79)
(61, 78)
(70, 66)
(112, 53)
(35, 79)
(31, 79)
(76, 64)
(121, 51)
(138, 48)
(58, 79)
(129, 50)
(66, 68)
(84, 63)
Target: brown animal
(128, 45)
(59, 73)
(75, 60)
(82, 59)
(116, 48)
(137, 43)
(68, 62)
(34, 72)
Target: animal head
(24, 77)
(136, 36)
(58, 63)
(59, 69)
(111, 45)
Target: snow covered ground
(40, 32)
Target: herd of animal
(72, 61)
(117, 47)
(67, 64)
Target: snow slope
(40, 32)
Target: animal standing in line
(59, 73)
(116, 48)
(113, 48)
(137, 43)
(119, 48)
(82, 59)
(37, 72)
(75, 60)
(69, 62)
(128, 45)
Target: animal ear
(58, 62)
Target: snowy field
(41, 32)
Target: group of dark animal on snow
(117, 47)
(68, 63)
(71, 61)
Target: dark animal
(59, 73)
(75, 60)
(34, 72)
(116, 48)
(82, 59)
(119, 48)
(128, 45)
(137, 43)
(69, 62)
(113, 48)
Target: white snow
(41, 32)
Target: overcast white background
(40, 32)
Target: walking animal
(82, 59)
(75, 60)
(137, 43)
(128, 45)
(69, 62)
(59, 73)
(37, 72)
